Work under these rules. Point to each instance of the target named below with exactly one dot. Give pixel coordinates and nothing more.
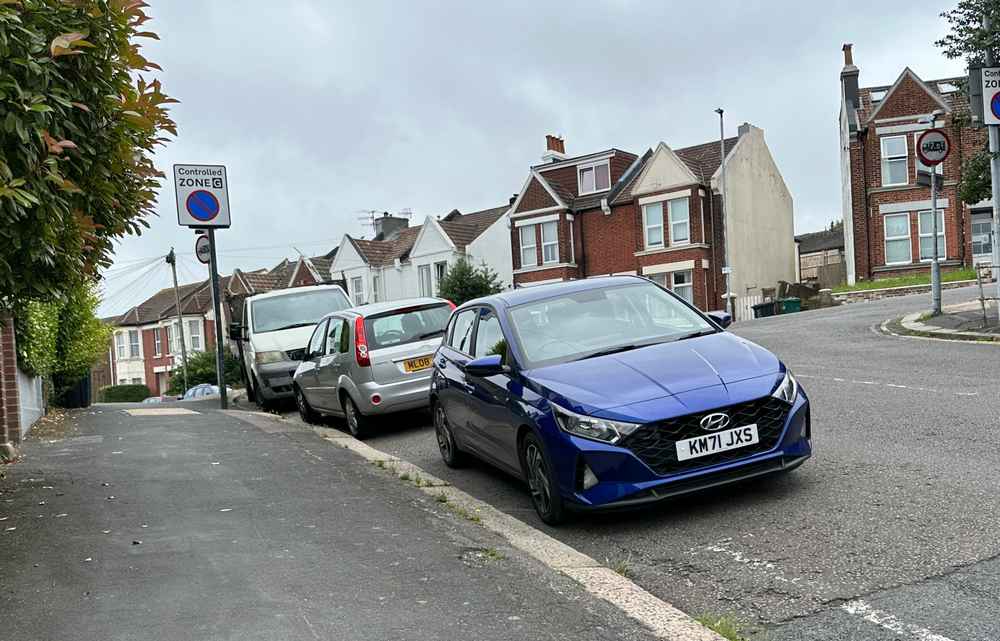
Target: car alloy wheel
(305, 411)
(356, 422)
(450, 454)
(544, 492)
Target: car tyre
(251, 391)
(542, 483)
(450, 452)
(306, 411)
(357, 423)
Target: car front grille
(295, 354)
(654, 443)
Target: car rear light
(450, 304)
(376, 399)
(361, 343)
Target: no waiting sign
(933, 147)
(202, 195)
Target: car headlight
(788, 389)
(596, 429)
(263, 358)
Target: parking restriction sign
(202, 195)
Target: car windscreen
(594, 321)
(296, 309)
(406, 325)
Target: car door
(452, 388)
(489, 399)
(307, 373)
(331, 364)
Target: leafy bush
(463, 282)
(124, 393)
(201, 369)
(78, 126)
(36, 326)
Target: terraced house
(888, 224)
(658, 215)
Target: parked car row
(600, 393)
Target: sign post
(203, 203)
(933, 147)
(990, 86)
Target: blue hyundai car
(610, 393)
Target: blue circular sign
(995, 104)
(202, 205)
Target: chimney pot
(555, 143)
(848, 55)
(744, 129)
(512, 199)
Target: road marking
(914, 388)
(890, 622)
(160, 411)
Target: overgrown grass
(726, 627)
(493, 554)
(906, 281)
(621, 566)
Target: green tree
(967, 39)
(201, 369)
(463, 282)
(78, 125)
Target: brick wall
(535, 197)
(609, 242)
(10, 418)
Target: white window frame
(686, 221)
(120, 345)
(440, 271)
(554, 242)
(528, 231)
(157, 342)
(424, 281)
(171, 338)
(593, 166)
(376, 287)
(572, 244)
(887, 159)
(192, 335)
(938, 168)
(886, 238)
(943, 252)
(137, 352)
(358, 290)
(646, 226)
(688, 286)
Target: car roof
(513, 297)
(277, 293)
(372, 309)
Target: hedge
(124, 393)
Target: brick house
(657, 215)
(888, 225)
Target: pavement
(179, 521)
(888, 533)
(962, 321)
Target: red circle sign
(933, 147)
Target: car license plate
(417, 364)
(723, 441)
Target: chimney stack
(555, 148)
(849, 78)
(388, 227)
(744, 129)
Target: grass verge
(905, 281)
(726, 627)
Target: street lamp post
(727, 269)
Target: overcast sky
(322, 109)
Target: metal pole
(220, 369)
(172, 260)
(995, 180)
(935, 265)
(724, 214)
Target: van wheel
(357, 423)
(541, 480)
(251, 391)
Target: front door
(490, 415)
(982, 238)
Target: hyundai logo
(713, 422)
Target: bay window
(550, 242)
(157, 342)
(895, 168)
(680, 222)
(897, 239)
(925, 230)
(120, 345)
(133, 343)
(652, 222)
(528, 256)
(194, 335)
(683, 285)
(171, 346)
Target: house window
(895, 169)
(137, 381)
(424, 273)
(652, 220)
(133, 343)
(925, 229)
(572, 244)
(157, 342)
(376, 287)
(921, 167)
(682, 285)
(680, 222)
(440, 270)
(897, 239)
(594, 178)
(171, 347)
(358, 290)
(194, 335)
(120, 345)
(550, 242)
(528, 256)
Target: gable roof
(379, 253)
(321, 267)
(820, 240)
(907, 73)
(462, 229)
(704, 159)
(152, 309)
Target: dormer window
(594, 178)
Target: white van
(273, 333)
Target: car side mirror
(485, 366)
(236, 331)
(722, 319)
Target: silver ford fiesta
(372, 359)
